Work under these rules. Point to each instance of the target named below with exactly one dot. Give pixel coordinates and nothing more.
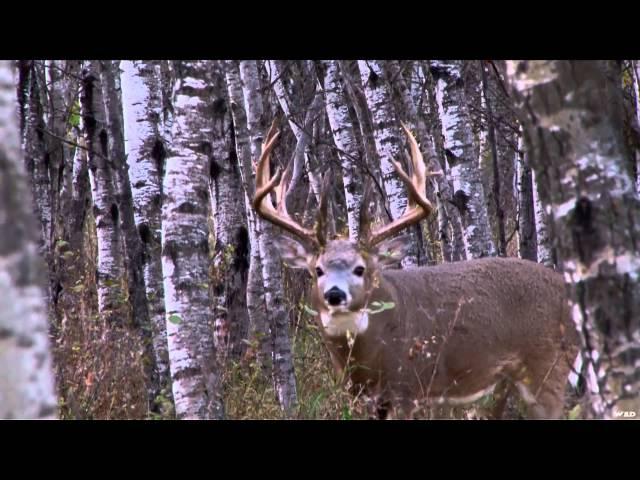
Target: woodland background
(137, 283)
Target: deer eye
(319, 271)
(358, 271)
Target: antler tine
(264, 185)
(281, 190)
(418, 207)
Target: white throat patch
(338, 323)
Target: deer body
(444, 334)
(457, 330)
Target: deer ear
(393, 250)
(292, 252)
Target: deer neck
(339, 324)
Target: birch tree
(344, 137)
(388, 145)
(440, 182)
(63, 93)
(34, 144)
(283, 371)
(134, 255)
(145, 152)
(26, 376)
(469, 195)
(231, 256)
(498, 161)
(527, 242)
(110, 266)
(301, 127)
(453, 235)
(573, 128)
(258, 321)
(544, 247)
(185, 259)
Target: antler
(418, 207)
(264, 185)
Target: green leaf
(175, 319)
(309, 310)
(74, 118)
(381, 307)
(346, 413)
(61, 243)
(574, 413)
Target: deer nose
(335, 296)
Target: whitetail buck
(451, 333)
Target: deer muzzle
(334, 297)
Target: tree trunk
(258, 321)
(134, 254)
(361, 118)
(301, 129)
(452, 233)
(145, 151)
(545, 252)
(185, 249)
(34, 144)
(573, 127)
(231, 257)
(63, 92)
(344, 138)
(26, 376)
(104, 191)
(440, 182)
(495, 163)
(283, 371)
(469, 195)
(526, 217)
(507, 138)
(388, 145)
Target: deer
(447, 334)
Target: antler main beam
(279, 183)
(418, 207)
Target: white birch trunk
(445, 212)
(185, 252)
(544, 248)
(283, 371)
(344, 138)
(26, 377)
(527, 238)
(34, 144)
(231, 257)
(301, 130)
(144, 146)
(388, 145)
(469, 194)
(258, 321)
(104, 190)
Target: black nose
(335, 296)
